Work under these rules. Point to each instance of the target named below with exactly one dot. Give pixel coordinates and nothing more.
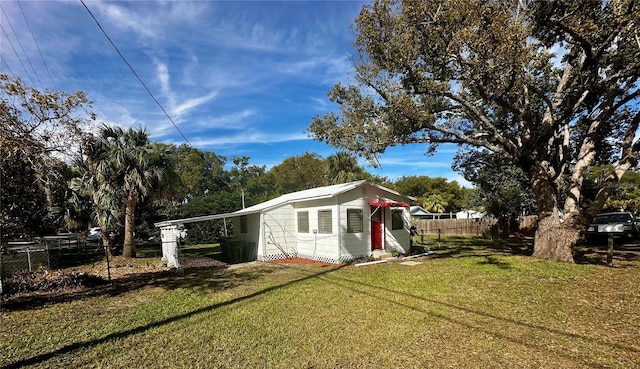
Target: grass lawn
(467, 305)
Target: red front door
(377, 227)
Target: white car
(95, 234)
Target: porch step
(381, 255)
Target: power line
(8, 67)
(21, 47)
(37, 46)
(134, 73)
(17, 56)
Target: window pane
(303, 222)
(354, 220)
(396, 220)
(324, 221)
(243, 224)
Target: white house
(469, 214)
(331, 224)
(419, 212)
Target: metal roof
(305, 195)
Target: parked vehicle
(621, 225)
(95, 234)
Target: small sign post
(610, 250)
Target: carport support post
(29, 259)
(610, 250)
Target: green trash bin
(233, 250)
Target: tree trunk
(554, 239)
(129, 249)
(556, 235)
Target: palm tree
(434, 204)
(124, 168)
(343, 168)
(93, 181)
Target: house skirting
(324, 259)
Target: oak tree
(37, 129)
(542, 83)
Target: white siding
(279, 233)
(276, 230)
(315, 245)
(253, 230)
(399, 239)
(355, 245)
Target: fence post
(29, 258)
(1, 274)
(438, 237)
(179, 267)
(610, 250)
(46, 249)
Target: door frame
(377, 227)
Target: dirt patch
(202, 262)
(44, 280)
(31, 289)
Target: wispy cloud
(238, 121)
(190, 104)
(119, 16)
(322, 105)
(149, 20)
(162, 75)
(248, 138)
(237, 77)
(178, 109)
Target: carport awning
(169, 223)
(389, 204)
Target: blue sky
(239, 78)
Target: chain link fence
(52, 252)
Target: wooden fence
(476, 227)
(458, 227)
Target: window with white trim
(325, 222)
(396, 219)
(354, 221)
(303, 222)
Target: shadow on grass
(200, 278)
(120, 335)
(452, 246)
(624, 255)
(492, 260)
(209, 277)
(388, 295)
